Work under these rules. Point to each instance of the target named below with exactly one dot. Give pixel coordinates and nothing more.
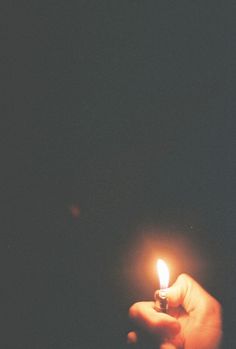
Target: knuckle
(213, 311)
(185, 282)
(184, 278)
(216, 308)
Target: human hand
(193, 320)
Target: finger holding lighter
(193, 319)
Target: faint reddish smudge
(75, 210)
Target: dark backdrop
(117, 129)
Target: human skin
(193, 320)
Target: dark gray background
(124, 110)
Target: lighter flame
(163, 273)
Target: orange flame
(163, 273)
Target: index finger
(145, 316)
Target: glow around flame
(163, 273)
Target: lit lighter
(161, 299)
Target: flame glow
(163, 273)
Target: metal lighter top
(161, 301)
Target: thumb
(186, 292)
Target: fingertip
(137, 310)
(133, 311)
(132, 337)
(167, 346)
